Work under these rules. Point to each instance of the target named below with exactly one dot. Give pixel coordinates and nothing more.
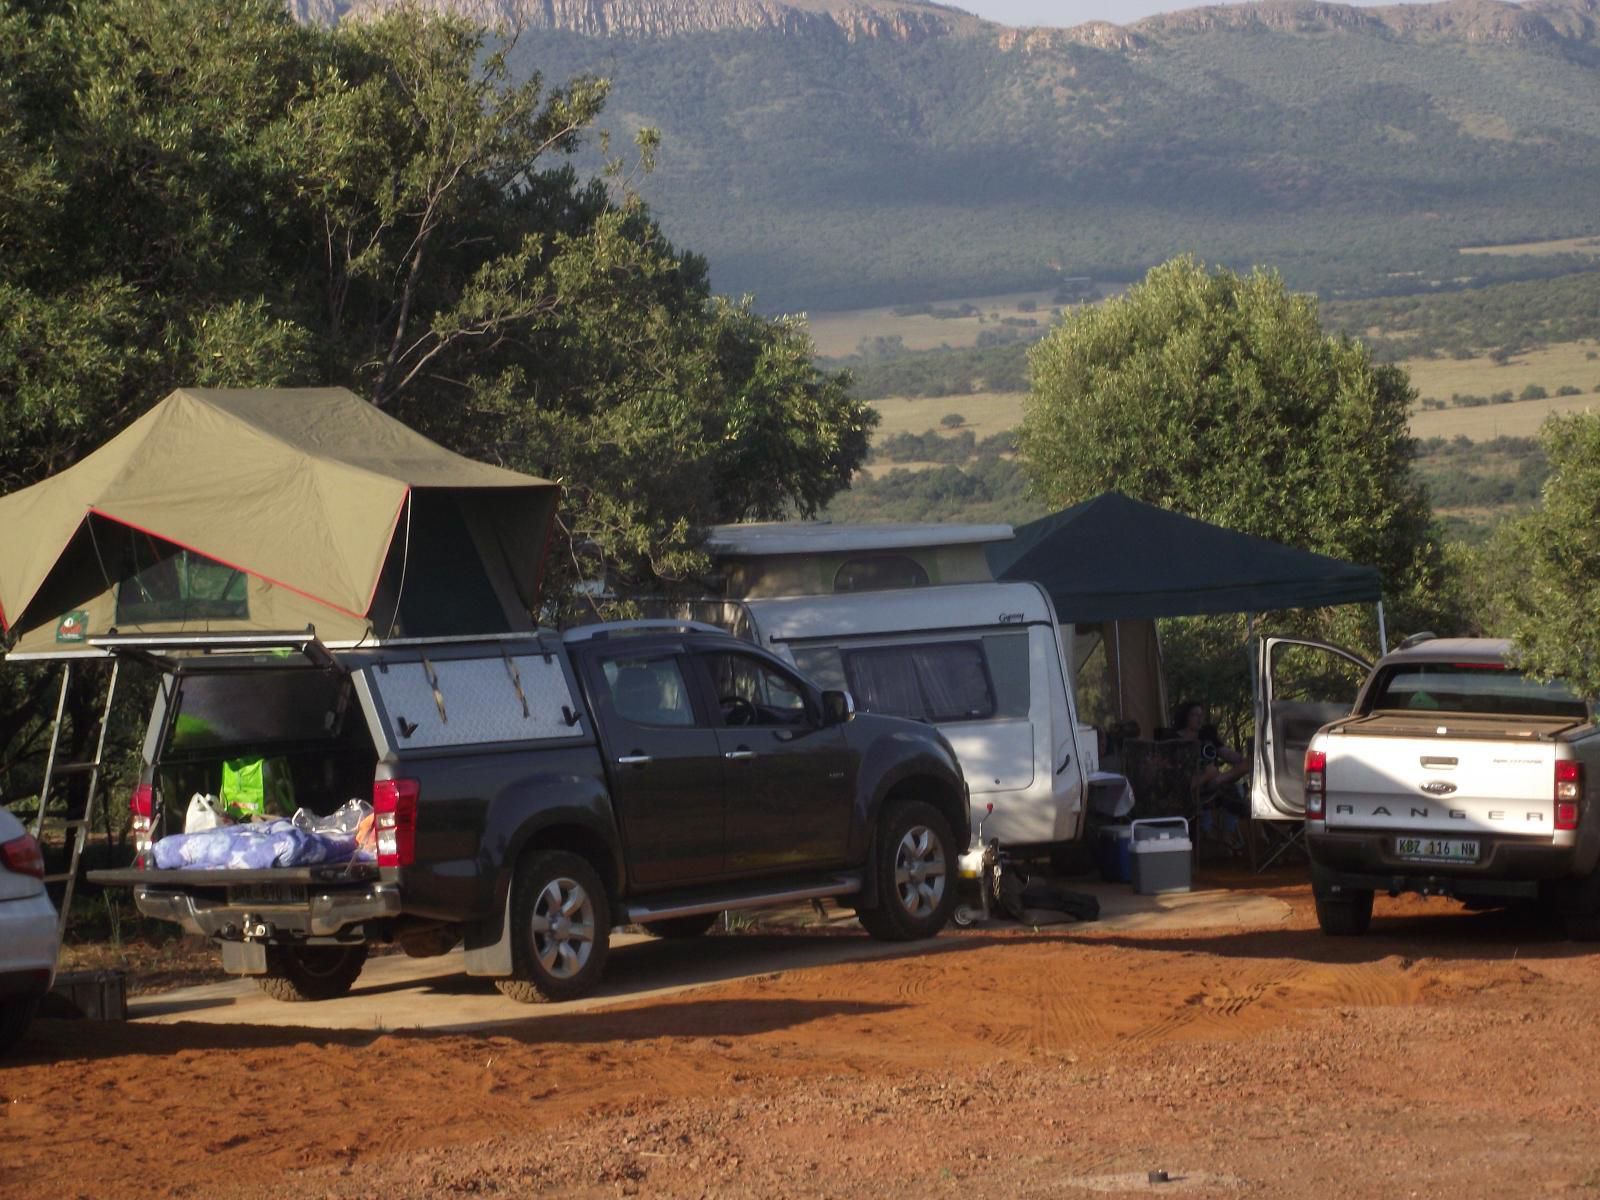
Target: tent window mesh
(183, 587)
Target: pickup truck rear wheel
(1347, 914)
(681, 927)
(915, 858)
(297, 973)
(560, 929)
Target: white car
(28, 940)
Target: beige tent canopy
(232, 510)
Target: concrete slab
(395, 992)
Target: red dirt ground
(1446, 1054)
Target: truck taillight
(394, 809)
(1316, 783)
(1569, 792)
(142, 808)
(22, 855)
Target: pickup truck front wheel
(560, 929)
(311, 972)
(915, 858)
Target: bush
(952, 421)
(1534, 392)
(1566, 389)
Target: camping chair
(1271, 840)
(1163, 777)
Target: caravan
(910, 621)
(984, 662)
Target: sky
(1072, 12)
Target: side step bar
(842, 885)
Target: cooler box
(1112, 845)
(1161, 855)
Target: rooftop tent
(232, 510)
(1112, 558)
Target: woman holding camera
(1222, 805)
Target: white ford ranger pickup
(1455, 775)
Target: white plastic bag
(203, 814)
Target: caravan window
(939, 681)
(932, 681)
(879, 572)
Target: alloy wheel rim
(919, 871)
(563, 928)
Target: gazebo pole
(1383, 637)
(1116, 638)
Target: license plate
(1436, 849)
(267, 893)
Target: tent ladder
(56, 773)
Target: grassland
(1567, 364)
(986, 413)
(842, 333)
(1572, 245)
(1519, 419)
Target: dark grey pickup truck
(533, 792)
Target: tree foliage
(1219, 396)
(1547, 564)
(197, 193)
(207, 194)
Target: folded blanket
(253, 847)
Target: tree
(195, 194)
(250, 201)
(1219, 396)
(1549, 562)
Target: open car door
(1300, 686)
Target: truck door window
(938, 681)
(648, 691)
(751, 692)
(1313, 673)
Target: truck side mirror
(837, 707)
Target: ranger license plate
(1436, 849)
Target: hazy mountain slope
(830, 155)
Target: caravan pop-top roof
(760, 539)
(918, 610)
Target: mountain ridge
(844, 153)
(1467, 21)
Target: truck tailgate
(1451, 779)
(322, 873)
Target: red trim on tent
(389, 545)
(100, 512)
(549, 540)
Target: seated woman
(1222, 804)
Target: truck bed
(1456, 725)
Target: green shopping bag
(256, 787)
